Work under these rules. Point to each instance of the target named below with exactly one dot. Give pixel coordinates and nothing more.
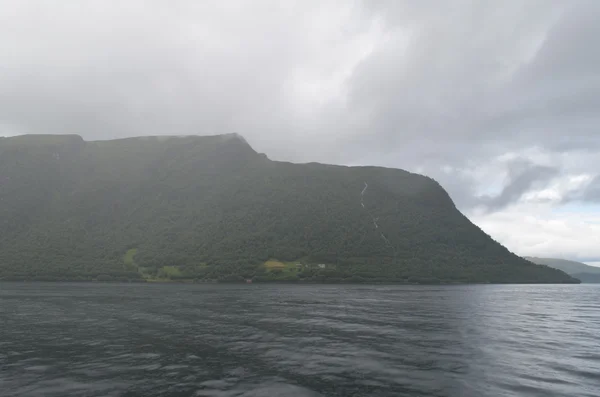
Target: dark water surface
(282, 340)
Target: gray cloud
(590, 194)
(523, 175)
(470, 79)
(408, 84)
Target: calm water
(266, 340)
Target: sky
(497, 100)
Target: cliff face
(213, 208)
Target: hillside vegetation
(581, 271)
(211, 208)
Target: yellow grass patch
(273, 264)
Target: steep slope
(213, 208)
(585, 273)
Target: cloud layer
(496, 100)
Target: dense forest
(581, 271)
(213, 209)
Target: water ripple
(269, 340)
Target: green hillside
(585, 273)
(211, 208)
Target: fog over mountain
(497, 101)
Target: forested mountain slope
(211, 208)
(585, 273)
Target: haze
(496, 100)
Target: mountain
(211, 208)
(585, 273)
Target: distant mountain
(585, 273)
(211, 208)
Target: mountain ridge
(579, 270)
(212, 208)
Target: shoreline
(324, 282)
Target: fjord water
(312, 340)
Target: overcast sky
(497, 100)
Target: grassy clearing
(275, 266)
(163, 274)
(169, 272)
(128, 257)
(129, 262)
